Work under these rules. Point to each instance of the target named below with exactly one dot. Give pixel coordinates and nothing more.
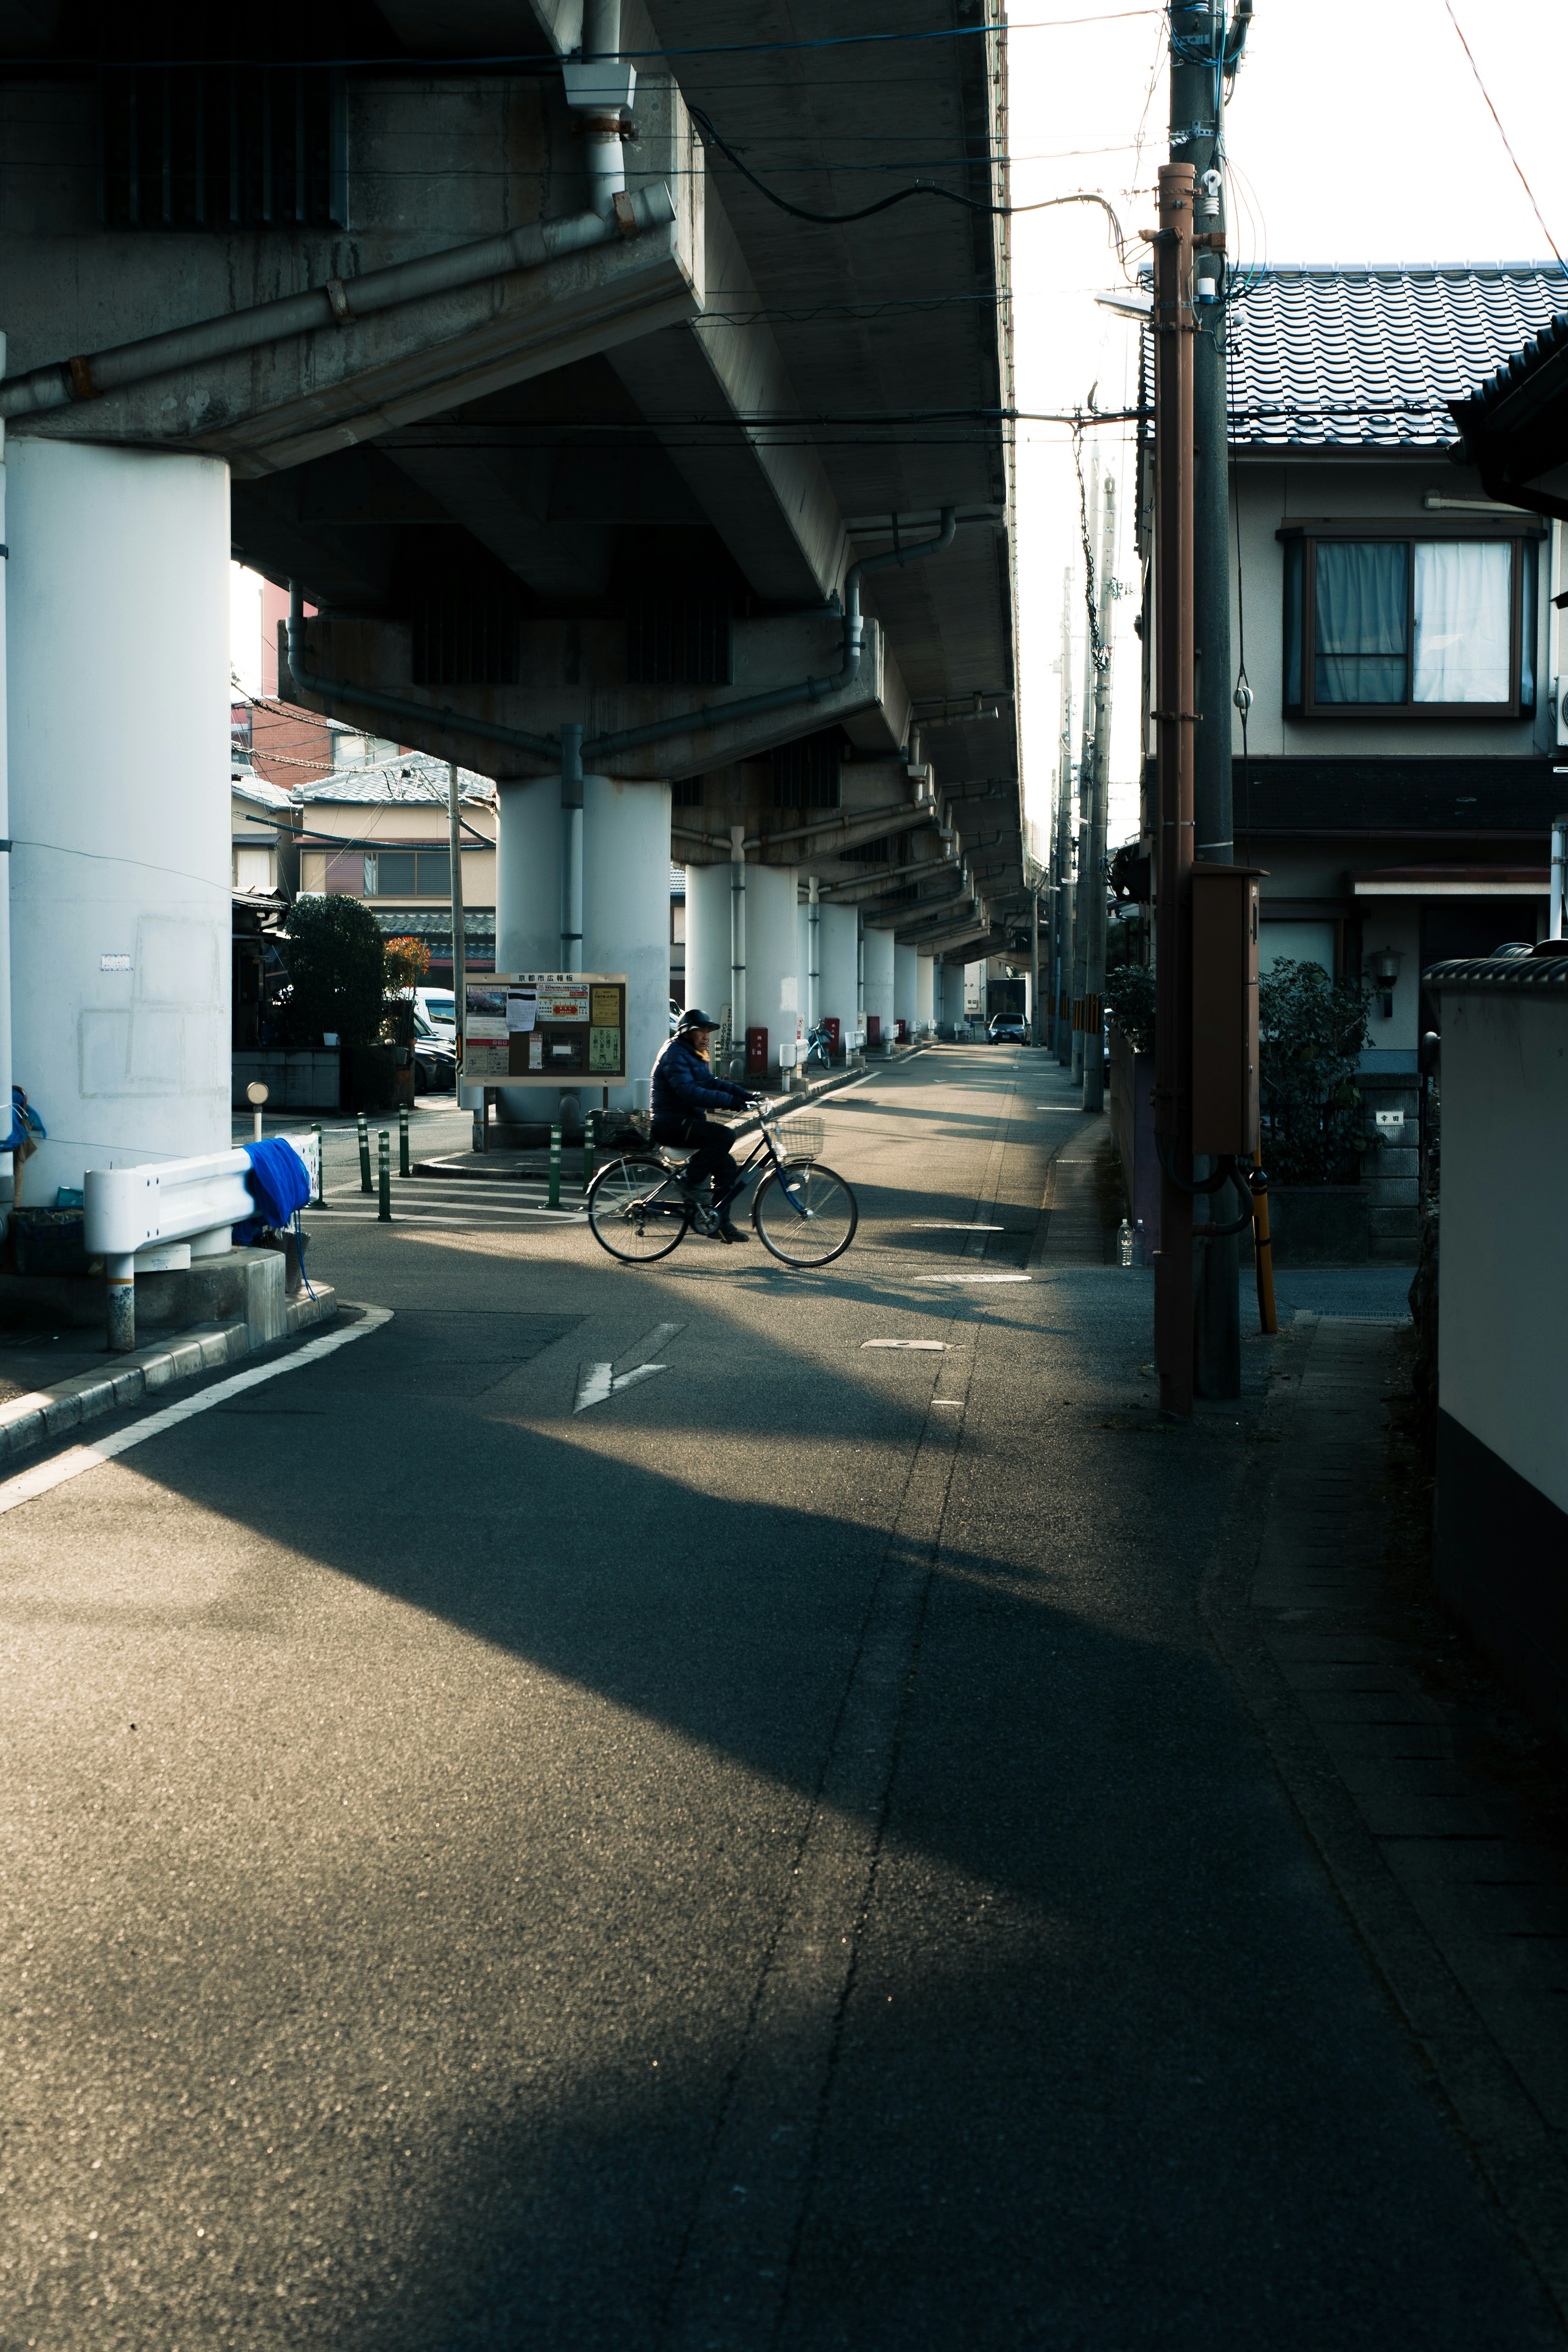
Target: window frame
(1522, 535)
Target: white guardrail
(157, 1218)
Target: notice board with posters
(545, 1029)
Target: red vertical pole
(1174, 719)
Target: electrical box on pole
(1225, 1009)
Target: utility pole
(1085, 756)
(1202, 53)
(1061, 855)
(1093, 896)
(1173, 323)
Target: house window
(1383, 621)
(408, 874)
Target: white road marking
(597, 1381)
(972, 1278)
(41, 1480)
(952, 1225)
(938, 1346)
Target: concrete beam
(576, 671)
(305, 395)
(769, 497)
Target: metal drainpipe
(813, 950)
(1558, 860)
(571, 891)
(8, 1164)
(737, 943)
(572, 848)
(460, 936)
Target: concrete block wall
(1391, 1172)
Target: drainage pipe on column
(737, 946)
(600, 89)
(459, 938)
(813, 956)
(8, 1165)
(1559, 861)
(572, 890)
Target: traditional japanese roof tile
(413, 776)
(1369, 358)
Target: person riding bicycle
(685, 1085)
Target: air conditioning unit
(1560, 705)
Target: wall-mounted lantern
(1386, 966)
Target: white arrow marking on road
(595, 1382)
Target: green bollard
(320, 1201)
(554, 1197)
(364, 1183)
(403, 1167)
(383, 1170)
(590, 1136)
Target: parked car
(435, 1054)
(439, 1007)
(1008, 1029)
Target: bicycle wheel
(809, 1217)
(636, 1212)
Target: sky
(1357, 134)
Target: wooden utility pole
(1085, 756)
(1061, 845)
(1173, 323)
(1093, 898)
(1203, 55)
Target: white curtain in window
(1463, 612)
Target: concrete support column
(118, 663)
(836, 993)
(906, 965)
(878, 965)
(772, 953)
(925, 993)
(625, 916)
(708, 938)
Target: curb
(789, 1106)
(33, 1420)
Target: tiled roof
(436, 923)
(1553, 339)
(413, 776)
(1369, 358)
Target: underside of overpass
(530, 379)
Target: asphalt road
(771, 1858)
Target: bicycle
(802, 1213)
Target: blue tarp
(279, 1184)
(279, 1180)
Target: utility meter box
(1225, 1008)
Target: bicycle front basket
(801, 1138)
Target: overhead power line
(1502, 134)
(533, 62)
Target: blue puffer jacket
(683, 1084)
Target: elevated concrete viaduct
(591, 466)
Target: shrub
(1310, 1031)
(336, 960)
(407, 963)
(1130, 995)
